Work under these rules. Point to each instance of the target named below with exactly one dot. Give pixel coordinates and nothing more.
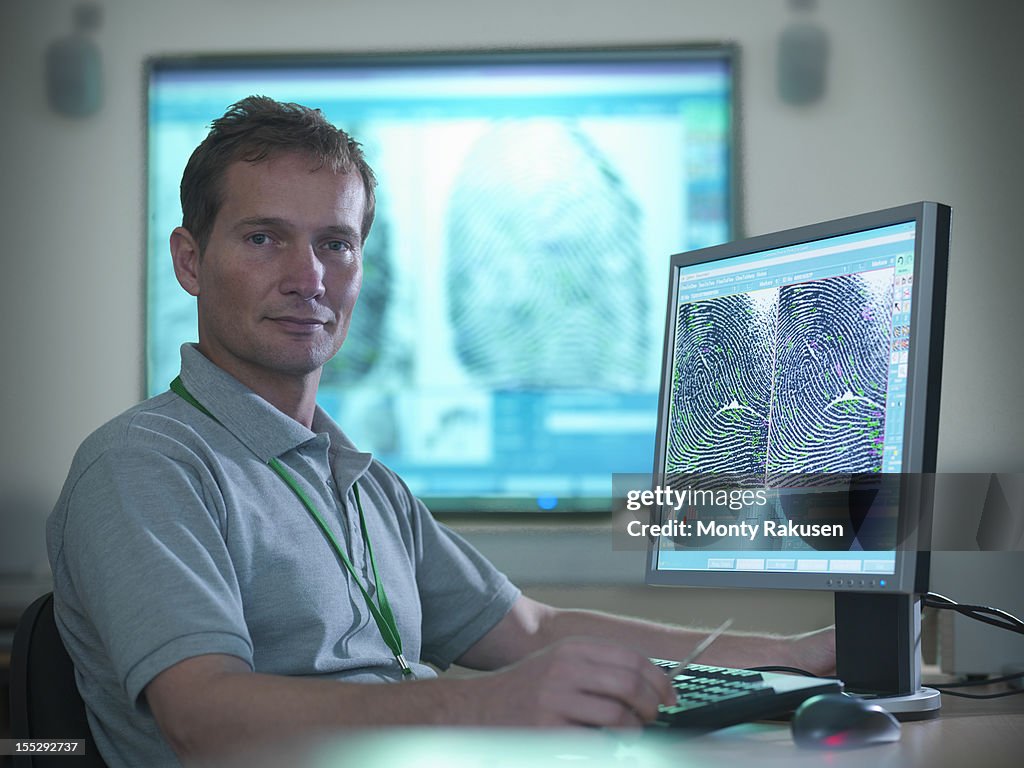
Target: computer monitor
(806, 364)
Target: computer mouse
(838, 721)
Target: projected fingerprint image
(721, 389)
(366, 333)
(828, 411)
(545, 274)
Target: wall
(923, 102)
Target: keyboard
(708, 698)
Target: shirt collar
(259, 426)
(347, 462)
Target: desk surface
(969, 733)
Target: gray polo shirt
(174, 538)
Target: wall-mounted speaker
(74, 76)
(802, 63)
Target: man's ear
(185, 256)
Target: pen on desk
(704, 644)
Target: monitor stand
(878, 652)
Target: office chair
(45, 703)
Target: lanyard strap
(382, 615)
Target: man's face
(279, 277)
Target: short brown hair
(255, 129)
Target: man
(229, 568)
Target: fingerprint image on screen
(721, 389)
(545, 272)
(783, 380)
(831, 375)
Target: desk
(968, 734)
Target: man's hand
(577, 681)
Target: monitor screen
(504, 352)
(804, 364)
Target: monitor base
(923, 704)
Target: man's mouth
(298, 323)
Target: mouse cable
(994, 616)
(790, 670)
(943, 689)
(985, 681)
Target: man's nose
(303, 272)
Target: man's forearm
(211, 706)
(812, 651)
(531, 626)
(217, 706)
(554, 667)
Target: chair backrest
(45, 703)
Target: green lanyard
(382, 615)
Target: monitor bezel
(927, 322)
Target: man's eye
(259, 239)
(338, 245)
